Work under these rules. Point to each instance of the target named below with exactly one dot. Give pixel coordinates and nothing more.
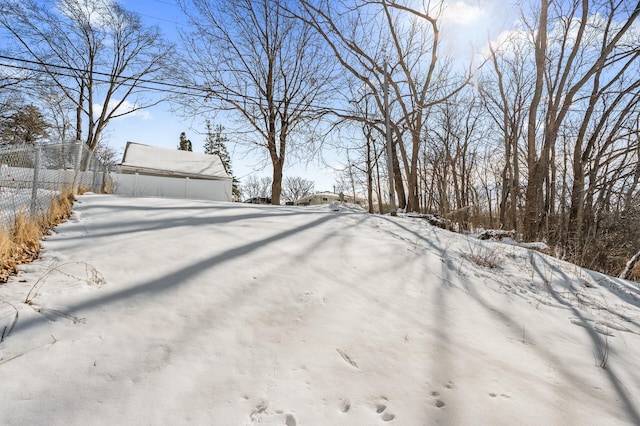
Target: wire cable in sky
(129, 81)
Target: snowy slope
(158, 311)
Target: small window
(325, 199)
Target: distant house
(155, 171)
(258, 200)
(318, 198)
(327, 198)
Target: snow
(161, 311)
(158, 160)
(537, 245)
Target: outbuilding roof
(158, 161)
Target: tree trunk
(369, 174)
(397, 173)
(79, 114)
(378, 187)
(515, 184)
(276, 184)
(534, 200)
(412, 175)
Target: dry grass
(108, 186)
(484, 257)
(83, 189)
(20, 243)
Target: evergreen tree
(214, 144)
(26, 125)
(185, 144)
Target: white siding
(160, 186)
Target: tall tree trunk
(515, 184)
(379, 187)
(412, 173)
(276, 184)
(79, 113)
(397, 173)
(369, 173)
(534, 200)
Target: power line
(78, 70)
(129, 81)
(162, 19)
(167, 3)
(99, 80)
(172, 88)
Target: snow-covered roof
(153, 160)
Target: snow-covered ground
(159, 311)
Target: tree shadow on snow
(441, 318)
(176, 278)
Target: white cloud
(123, 109)
(94, 12)
(11, 70)
(467, 25)
(507, 41)
(463, 13)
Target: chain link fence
(30, 176)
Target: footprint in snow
(503, 395)
(439, 403)
(290, 420)
(382, 409)
(260, 411)
(256, 414)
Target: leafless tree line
(543, 139)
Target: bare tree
(263, 66)
(108, 156)
(571, 74)
(505, 90)
(254, 187)
(98, 54)
(12, 75)
(364, 36)
(453, 138)
(565, 62)
(295, 188)
(370, 147)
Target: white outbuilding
(155, 171)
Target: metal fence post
(78, 166)
(54, 167)
(34, 186)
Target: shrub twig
(93, 277)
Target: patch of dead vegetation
(20, 241)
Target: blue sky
(160, 126)
(467, 24)
(470, 23)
